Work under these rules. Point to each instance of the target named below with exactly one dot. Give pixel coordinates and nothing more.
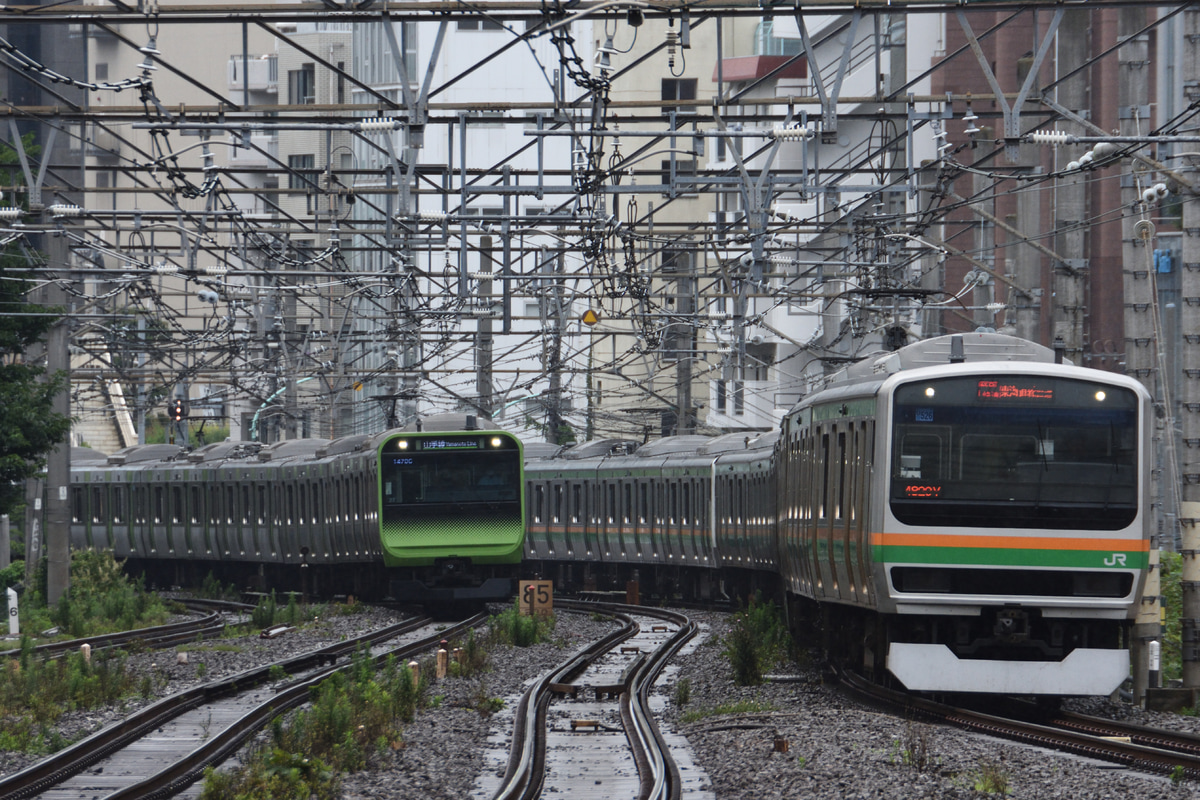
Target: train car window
(159, 503)
(118, 503)
(627, 503)
(842, 473)
(611, 504)
(576, 502)
(230, 513)
(687, 502)
(827, 476)
(673, 494)
(177, 509)
(559, 494)
(539, 502)
(643, 503)
(246, 510)
(78, 514)
(98, 515)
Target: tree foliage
(29, 428)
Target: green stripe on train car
(1010, 557)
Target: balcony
(262, 74)
(252, 157)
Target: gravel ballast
(802, 740)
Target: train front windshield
(1014, 452)
(423, 474)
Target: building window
(302, 172)
(479, 24)
(679, 89)
(341, 82)
(766, 43)
(683, 170)
(102, 71)
(302, 85)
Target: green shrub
(514, 628)
(263, 615)
(758, 641)
(352, 713)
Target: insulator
(11, 213)
(792, 134)
(1050, 137)
(216, 269)
(377, 124)
(432, 216)
(65, 210)
(166, 268)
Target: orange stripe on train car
(1004, 542)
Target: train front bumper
(935, 668)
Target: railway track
(589, 723)
(1135, 746)
(210, 624)
(165, 747)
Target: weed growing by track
(102, 599)
(512, 627)
(352, 715)
(740, 707)
(35, 692)
(757, 641)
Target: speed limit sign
(537, 597)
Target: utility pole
(1137, 235)
(1189, 291)
(58, 464)
(483, 331)
(1070, 207)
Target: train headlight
(929, 391)
(1100, 396)
(496, 441)
(402, 444)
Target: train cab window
(1013, 450)
(177, 509)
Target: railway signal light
(179, 410)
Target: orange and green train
(966, 514)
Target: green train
(431, 515)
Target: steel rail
(37, 778)
(526, 765)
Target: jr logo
(1114, 560)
